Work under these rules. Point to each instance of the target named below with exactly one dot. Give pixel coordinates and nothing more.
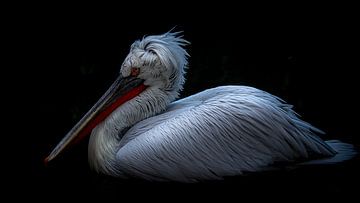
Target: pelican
(139, 130)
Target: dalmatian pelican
(138, 129)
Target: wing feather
(220, 132)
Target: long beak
(122, 90)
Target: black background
(68, 57)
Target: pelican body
(139, 130)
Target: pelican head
(159, 60)
(155, 67)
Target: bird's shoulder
(223, 90)
(231, 95)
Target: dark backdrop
(307, 57)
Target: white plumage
(224, 131)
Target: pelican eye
(135, 71)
